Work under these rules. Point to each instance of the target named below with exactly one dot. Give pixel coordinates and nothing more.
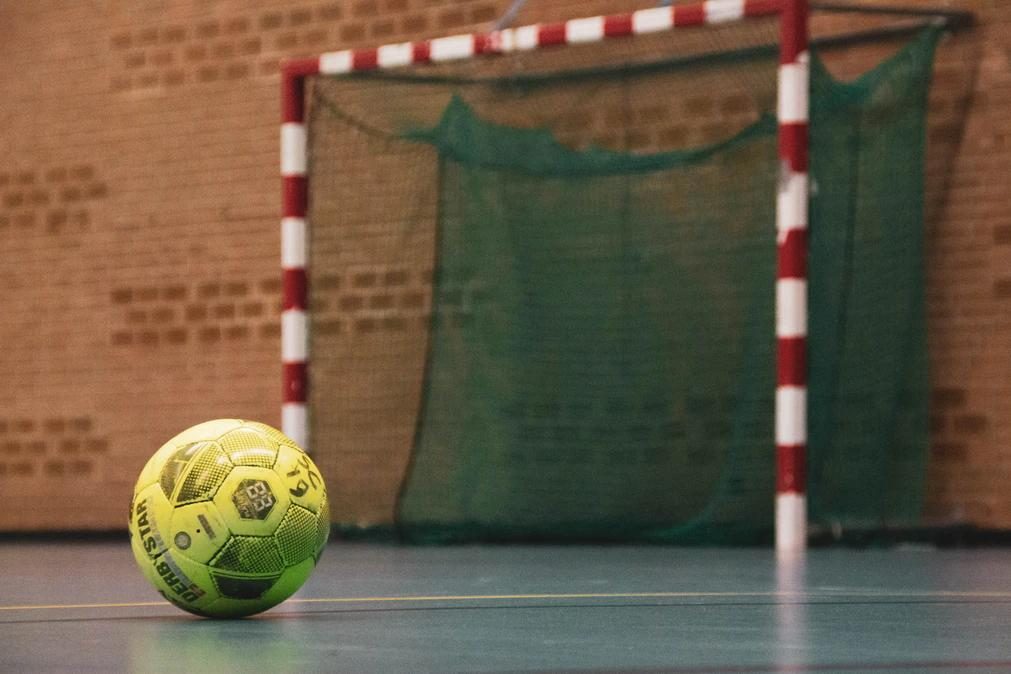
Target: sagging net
(542, 292)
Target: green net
(867, 363)
(543, 295)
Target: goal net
(542, 291)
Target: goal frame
(791, 201)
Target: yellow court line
(422, 598)
(130, 604)
(581, 595)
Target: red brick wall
(969, 276)
(139, 206)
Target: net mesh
(542, 292)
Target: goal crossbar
(791, 204)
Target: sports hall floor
(84, 607)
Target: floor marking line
(572, 595)
(556, 596)
(128, 604)
(427, 598)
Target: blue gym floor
(84, 607)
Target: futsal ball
(228, 518)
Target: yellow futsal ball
(228, 518)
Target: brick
(381, 301)
(412, 300)
(136, 316)
(176, 336)
(382, 29)
(948, 398)
(299, 17)
(396, 277)
(329, 327)
(237, 70)
(365, 280)
(173, 34)
(950, 133)
(483, 14)
(414, 24)
(56, 220)
(252, 309)
(271, 20)
(163, 315)
(121, 41)
(196, 312)
(316, 37)
(223, 50)
(175, 292)
(210, 334)
(352, 32)
(970, 424)
(208, 29)
(224, 311)
(351, 303)
(135, 60)
(96, 191)
(238, 25)
(736, 105)
(1002, 235)
(161, 58)
(365, 8)
(638, 139)
(331, 11)
(1002, 288)
(652, 114)
(451, 18)
(196, 52)
(699, 106)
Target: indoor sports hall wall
(139, 205)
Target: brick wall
(968, 286)
(138, 213)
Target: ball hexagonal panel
(176, 465)
(249, 447)
(198, 531)
(254, 555)
(207, 469)
(253, 499)
(272, 433)
(301, 477)
(236, 587)
(296, 535)
(251, 509)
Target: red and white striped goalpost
(791, 204)
(791, 280)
